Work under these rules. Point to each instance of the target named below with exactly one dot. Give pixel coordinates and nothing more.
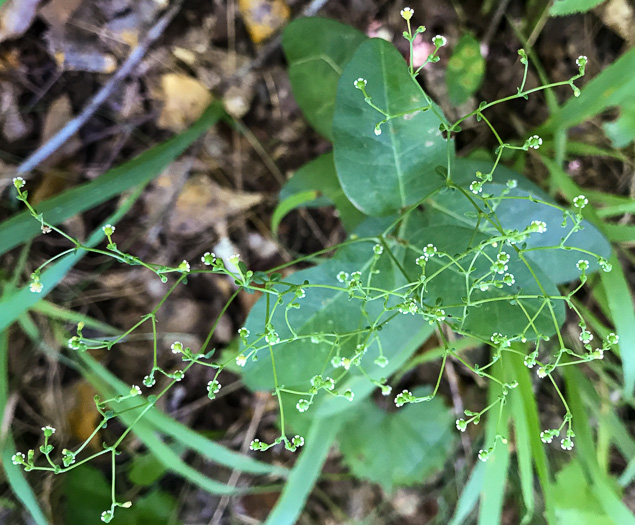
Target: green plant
(439, 245)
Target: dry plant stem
(57, 140)
(493, 26)
(457, 401)
(250, 434)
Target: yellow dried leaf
(184, 100)
(263, 17)
(83, 416)
(203, 204)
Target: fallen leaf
(58, 115)
(184, 100)
(57, 12)
(203, 204)
(14, 126)
(83, 416)
(618, 15)
(16, 17)
(263, 17)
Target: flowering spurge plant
(445, 245)
(439, 246)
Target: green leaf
(560, 265)
(146, 469)
(466, 69)
(289, 204)
(576, 503)
(487, 311)
(329, 310)
(317, 49)
(319, 176)
(569, 7)
(381, 174)
(399, 448)
(87, 495)
(614, 86)
(622, 131)
(305, 472)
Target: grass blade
(155, 421)
(469, 496)
(14, 473)
(22, 227)
(494, 480)
(603, 486)
(620, 305)
(304, 474)
(14, 304)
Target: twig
(56, 141)
(500, 11)
(259, 410)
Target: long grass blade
(22, 227)
(14, 474)
(306, 471)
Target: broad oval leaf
(518, 211)
(381, 174)
(317, 49)
(398, 448)
(319, 175)
(516, 310)
(324, 309)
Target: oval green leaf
(317, 49)
(381, 174)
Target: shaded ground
(220, 195)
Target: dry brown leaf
(618, 15)
(59, 114)
(57, 12)
(16, 17)
(263, 17)
(203, 204)
(14, 126)
(10, 60)
(83, 416)
(184, 100)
